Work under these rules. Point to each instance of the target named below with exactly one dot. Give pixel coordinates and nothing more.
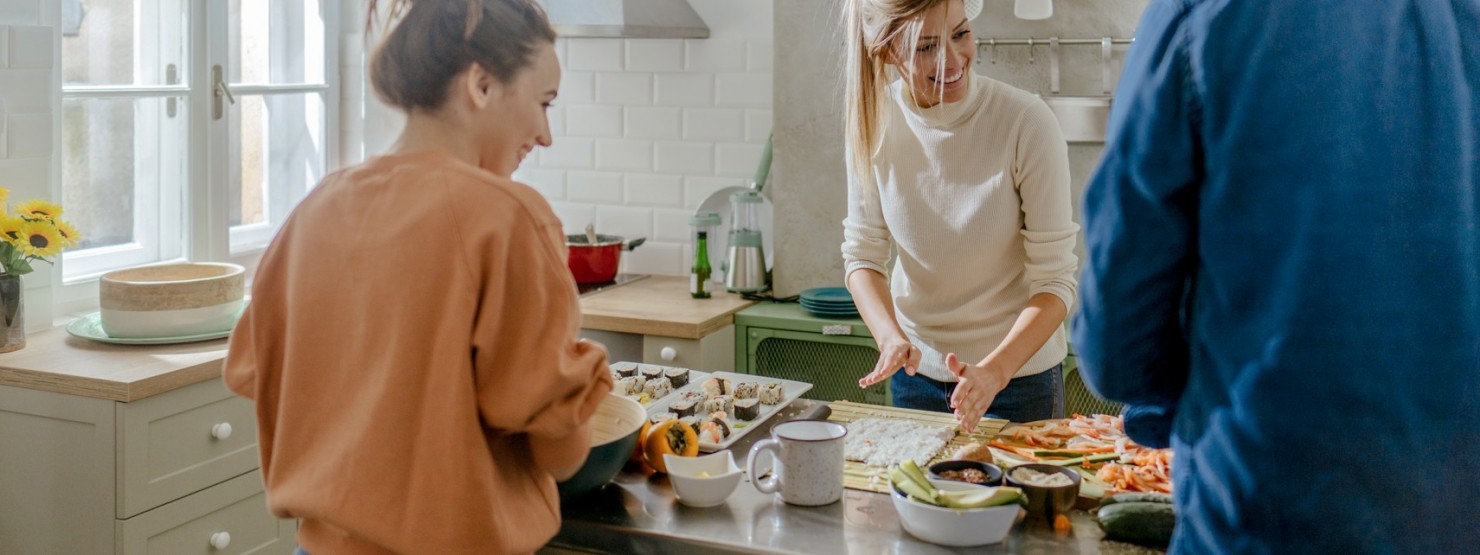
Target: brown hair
(873, 27)
(434, 40)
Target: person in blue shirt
(1283, 271)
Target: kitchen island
(637, 513)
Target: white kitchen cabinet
(711, 353)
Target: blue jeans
(1025, 399)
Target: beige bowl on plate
(171, 300)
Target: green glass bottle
(699, 274)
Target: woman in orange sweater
(411, 342)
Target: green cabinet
(781, 340)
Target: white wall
(29, 117)
(646, 129)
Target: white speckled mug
(809, 467)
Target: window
(191, 128)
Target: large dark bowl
(1045, 502)
(993, 472)
(614, 430)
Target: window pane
(124, 42)
(278, 157)
(122, 167)
(277, 42)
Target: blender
(746, 258)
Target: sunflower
(38, 210)
(4, 195)
(39, 239)
(69, 234)
(10, 228)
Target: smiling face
(935, 60)
(511, 120)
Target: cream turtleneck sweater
(974, 198)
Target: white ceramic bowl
(955, 527)
(171, 300)
(720, 476)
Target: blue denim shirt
(1283, 272)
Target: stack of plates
(834, 302)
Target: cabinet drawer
(715, 352)
(177, 443)
(231, 517)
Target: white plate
(738, 428)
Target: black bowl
(993, 472)
(1046, 502)
(617, 422)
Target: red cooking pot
(596, 262)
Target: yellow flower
(10, 227)
(39, 239)
(4, 195)
(69, 234)
(38, 210)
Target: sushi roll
(692, 395)
(747, 409)
(657, 388)
(772, 393)
(679, 376)
(662, 417)
(630, 385)
(714, 430)
(724, 404)
(625, 369)
(714, 387)
(650, 372)
(692, 421)
(684, 407)
(747, 390)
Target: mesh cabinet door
(832, 364)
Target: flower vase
(12, 309)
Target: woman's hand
(976, 387)
(894, 355)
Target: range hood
(654, 19)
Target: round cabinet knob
(220, 540)
(668, 353)
(221, 431)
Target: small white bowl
(171, 300)
(955, 527)
(719, 480)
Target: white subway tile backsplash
(570, 153)
(624, 155)
(711, 124)
(624, 88)
(737, 160)
(645, 189)
(760, 53)
(692, 158)
(696, 189)
(737, 18)
(576, 87)
(28, 135)
(574, 215)
(715, 55)
(26, 91)
(550, 183)
(593, 121)
(27, 178)
(629, 222)
(745, 90)
(556, 115)
(594, 54)
(685, 89)
(672, 226)
(655, 258)
(654, 55)
(652, 123)
(599, 187)
(758, 125)
(30, 47)
(21, 11)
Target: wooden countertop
(659, 305)
(55, 361)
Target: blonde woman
(967, 179)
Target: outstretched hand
(893, 357)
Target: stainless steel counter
(637, 513)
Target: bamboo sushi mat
(859, 476)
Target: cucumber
(1140, 522)
(1133, 497)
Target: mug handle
(765, 446)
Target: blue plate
(830, 312)
(828, 295)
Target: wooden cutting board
(859, 476)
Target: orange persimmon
(641, 442)
(672, 436)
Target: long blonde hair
(873, 27)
